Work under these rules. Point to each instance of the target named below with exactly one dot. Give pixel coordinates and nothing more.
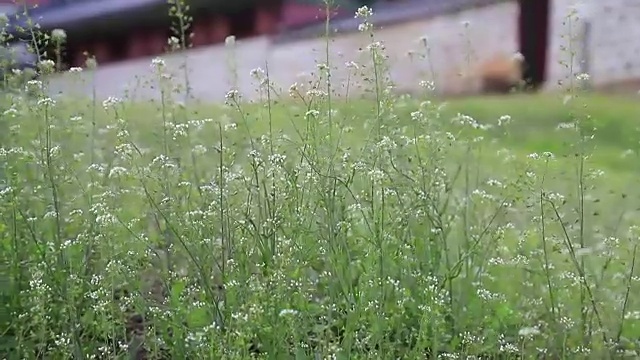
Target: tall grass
(309, 228)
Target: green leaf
(198, 318)
(177, 288)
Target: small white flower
(504, 119)
(257, 73)
(117, 171)
(364, 12)
(294, 89)
(173, 41)
(11, 112)
(110, 102)
(46, 64)
(375, 45)
(352, 65)
(429, 85)
(627, 153)
(199, 149)
(46, 102)
(75, 69)
(583, 77)
(322, 66)
(230, 40)
(316, 93)
(232, 95)
(254, 154)
(277, 159)
(376, 175)
(566, 125)
(365, 26)
(311, 114)
(34, 85)
(285, 312)
(157, 63)
(58, 35)
(529, 331)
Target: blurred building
(118, 30)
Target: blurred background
(119, 30)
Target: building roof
(385, 13)
(96, 15)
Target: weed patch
(318, 228)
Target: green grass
(394, 228)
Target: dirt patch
(630, 87)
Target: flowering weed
(315, 227)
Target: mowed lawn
(478, 226)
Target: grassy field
(317, 228)
(405, 231)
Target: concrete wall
(613, 48)
(612, 44)
(210, 76)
